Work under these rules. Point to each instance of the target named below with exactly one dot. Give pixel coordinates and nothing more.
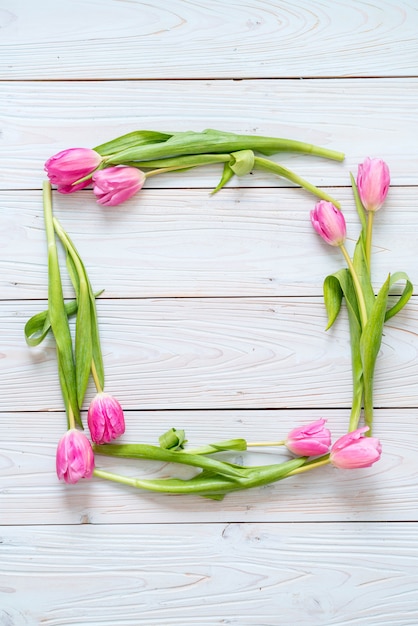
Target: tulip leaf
(39, 325)
(136, 138)
(363, 274)
(359, 206)
(227, 174)
(370, 341)
(335, 286)
(173, 439)
(58, 315)
(403, 299)
(209, 141)
(242, 162)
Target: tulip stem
(368, 251)
(311, 465)
(96, 377)
(357, 286)
(283, 172)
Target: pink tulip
(105, 418)
(355, 450)
(309, 440)
(66, 167)
(75, 459)
(373, 181)
(329, 222)
(114, 185)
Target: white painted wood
(213, 314)
(252, 574)
(186, 243)
(370, 117)
(30, 492)
(216, 353)
(208, 38)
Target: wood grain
(223, 574)
(171, 243)
(216, 353)
(40, 119)
(211, 38)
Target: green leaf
(173, 439)
(58, 315)
(227, 174)
(136, 138)
(39, 325)
(333, 295)
(359, 206)
(405, 296)
(209, 141)
(370, 341)
(362, 271)
(87, 341)
(242, 162)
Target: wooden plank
(42, 118)
(215, 353)
(30, 492)
(168, 243)
(211, 574)
(211, 38)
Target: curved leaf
(404, 297)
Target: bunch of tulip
(309, 446)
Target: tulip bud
(310, 440)
(66, 167)
(373, 179)
(105, 418)
(354, 450)
(114, 185)
(75, 458)
(329, 222)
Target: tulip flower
(329, 223)
(310, 440)
(114, 185)
(66, 167)
(105, 418)
(373, 181)
(75, 458)
(354, 450)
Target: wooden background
(212, 318)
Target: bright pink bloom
(75, 458)
(373, 180)
(114, 185)
(68, 166)
(105, 418)
(355, 450)
(329, 222)
(309, 440)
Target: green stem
(96, 377)
(209, 484)
(279, 170)
(356, 407)
(311, 465)
(357, 286)
(369, 233)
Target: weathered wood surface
(212, 318)
(368, 117)
(186, 243)
(240, 574)
(209, 38)
(215, 353)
